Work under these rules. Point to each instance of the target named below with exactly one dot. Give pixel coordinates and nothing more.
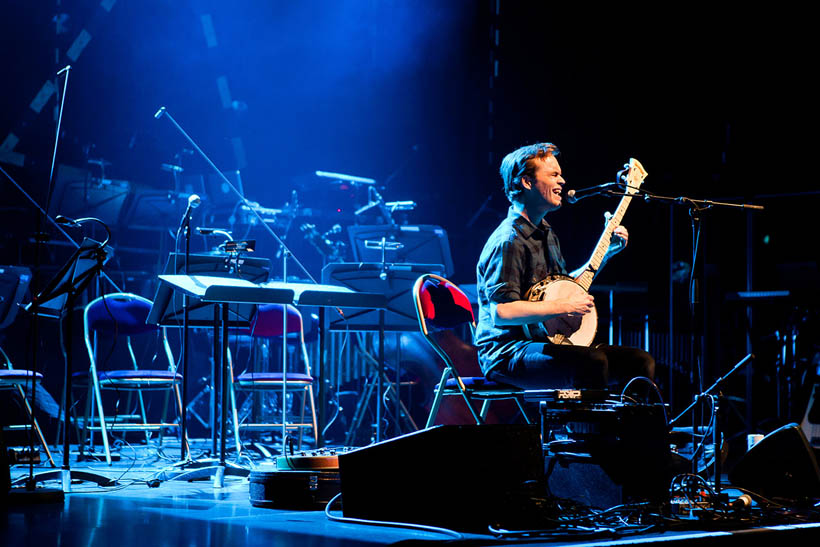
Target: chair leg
(235, 415)
(313, 416)
(179, 410)
(431, 418)
(33, 419)
(523, 412)
(302, 417)
(164, 417)
(485, 406)
(103, 428)
(144, 417)
(88, 415)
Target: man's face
(547, 183)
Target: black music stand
(412, 244)
(169, 311)
(224, 292)
(219, 317)
(56, 301)
(395, 282)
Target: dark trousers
(539, 365)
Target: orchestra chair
(119, 315)
(267, 325)
(13, 380)
(442, 306)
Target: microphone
(575, 195)
(160, 112)
(194, 201)
(65, 221)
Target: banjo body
(562, 329)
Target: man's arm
(620, 237)
(523, 312)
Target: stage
(280, 220)
(178, 512)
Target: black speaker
(463, 477)
(782, 465)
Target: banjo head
(579, 331)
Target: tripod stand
(389, 396)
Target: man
(522, 251)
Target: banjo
(580, 331)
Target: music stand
(56, 301)
(169, 311)
(415, 244)
(395, 281)
(78, 194)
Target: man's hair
(521, 163)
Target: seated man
(521, 252)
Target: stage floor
(178, 512)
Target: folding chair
(267, 325)
(124, 314)
(441, 305)
(13, 380)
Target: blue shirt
(517, 255)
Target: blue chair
(440, 306)
(12, 379)
(267, 325)
(123, 315)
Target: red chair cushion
(267, 322)
(444, 305)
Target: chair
(267, 324)
(12, 379)
(124, 314)
(442, 306)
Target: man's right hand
(579, 304)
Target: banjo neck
(634, 179)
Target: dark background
(427, 97)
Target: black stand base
(66, 476)
(202, 470)
(17, 497)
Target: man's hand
(620, 237)
(579, 304)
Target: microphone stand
(185, 450)
(30, 483)
(696, 208)
(286, 252)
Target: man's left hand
(620, 237)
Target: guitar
(580, 331)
